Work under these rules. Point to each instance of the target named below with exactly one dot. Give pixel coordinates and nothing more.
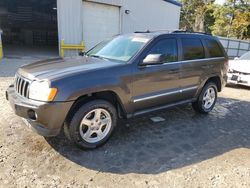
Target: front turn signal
(52, 94)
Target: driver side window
(166, 47)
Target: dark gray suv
(122, 77)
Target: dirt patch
(185, 150)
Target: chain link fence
(235, 47)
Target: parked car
(239, 70)
(123, 77)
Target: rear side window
(192, 49)
(167, 47)
(213, 48)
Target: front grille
(22, 86)
(243, 73)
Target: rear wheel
(207, 99)
(92, 125)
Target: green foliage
(231, 19)
(221, 26)
(196, 15)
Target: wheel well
(109, 96)
(217, 81)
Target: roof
(177, 3)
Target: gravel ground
(185, 150)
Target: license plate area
(235, 77)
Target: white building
(90, 21)
(94, 20)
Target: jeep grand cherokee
(122, 77)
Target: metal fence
(234, 47)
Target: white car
(239, 70)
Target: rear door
(218, 62)
(157, 85)
(193, 65)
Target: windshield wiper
(99, 57)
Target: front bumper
(238, 78)
(49, 117)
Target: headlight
(41, 91)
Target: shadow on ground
(238, 86)
(185, 138)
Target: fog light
(32, 114)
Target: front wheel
(92, 125)
(207, 99)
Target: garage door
(100, 21)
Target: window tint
(214, 48)
(167, 47)
(192, 49)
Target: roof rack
(155, 31)
(173, 31)
(187, 31)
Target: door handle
(206, 66)
(174, 70)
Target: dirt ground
(185, 150)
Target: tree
(232, 19)
(222, 17)
(195, 15)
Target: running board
(138, 113)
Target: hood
(55, 68)
(242, 66)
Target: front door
(157, 85)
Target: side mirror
(153, 59)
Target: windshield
(246, 56)
(121, 48)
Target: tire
(202, 105)
(92, 124)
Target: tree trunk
(199, 23)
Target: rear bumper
(44, 118)
(239, 79)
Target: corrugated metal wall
(144, 15)
(70, 22)
(150, 15)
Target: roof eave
(174, 2)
